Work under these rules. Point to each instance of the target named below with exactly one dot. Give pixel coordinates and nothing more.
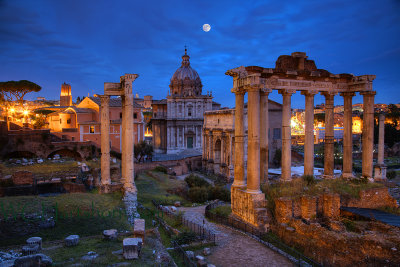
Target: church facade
(178, 120)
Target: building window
(189, 112)
(120, 115)
(73, 138)
(180, 109)
(69, 121)
(155, 115)
(135, 115)
(60, 121)
(277, 133)
(91, 129)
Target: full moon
(206, 27)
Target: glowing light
(12, 110)
(206, 27)
(26, 112)
(148, 133)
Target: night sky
(87, 43)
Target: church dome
(185, 81)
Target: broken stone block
(30, 249)
(131, 248)
(199, 258)
(190, 254)
(110, 234)
(71, 240)
(177, 204)
(139, 228)
(33, 260)
(35, 240)
(91, 255)
(206, 251)
(173, 209)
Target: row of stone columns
(258, 136)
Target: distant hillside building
(178, 120)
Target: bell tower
(65, 96)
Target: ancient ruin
(122, 89)
(292, 73)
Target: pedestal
(380, 172)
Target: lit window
(91, 129)
(60, 121)
(68, 121)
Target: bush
(391, 175)
(223, 211)
(220, 193)
(195, 181)
(309, 179)
(185, 238)
(198, 194)
(160, 169)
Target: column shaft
(264, 124)
(381, 142)
(253, 140)
(368, 133)
(105, 142)
(239, 141)
(309, 134)
(123, 138)
(129, 183)
(222, 150)
(329, 158)
(348, 135)
(286, 160)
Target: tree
(142, 149)
(16, 90)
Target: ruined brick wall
(179, 166)
(340, 248)
(23, 178)
(371, 198)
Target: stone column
(286, 161)
(239, 140)
(309, 133)
(123, 137)
(222, 149)
(381, 144)
(129, 183)
(348, 135)
(264, 124)
(230, 158)
(329, 146)
(380, 168)
(368, 133)
(105, 144)
(253, 140)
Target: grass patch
(223, 211)
(96, 213)
(46, 168)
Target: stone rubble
(130, 200)
(131, 248)
(71, 240)
(110, 234)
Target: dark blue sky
(87, 43)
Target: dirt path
(234, 248)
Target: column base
(250, 207)
(241, 184)
(347, 176)
(250, 191)
(130, 188)
(380, 172)
(105, 189)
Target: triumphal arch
(122, 89)
(293, 73)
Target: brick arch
(66, 153)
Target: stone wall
(23, 178)
(376, 247)
(249, 207)
(372, 198)
(181, 166)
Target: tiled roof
(114, 102)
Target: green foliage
(391, 175)
(115, 154)
(277, 157)
(185, 238)
(198, 194)
(219, 192)
(223, 211)
(349, 224)
(6, 182)
(161, 169)
(142, 149)
(309, 179)
(195, 181)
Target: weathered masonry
(292, 73)
(122, 89)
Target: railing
(185, 258)
(267, 238)
(200, 230)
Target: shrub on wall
(195, 181)
(198, 194)
(220, 193)
(391, 175)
